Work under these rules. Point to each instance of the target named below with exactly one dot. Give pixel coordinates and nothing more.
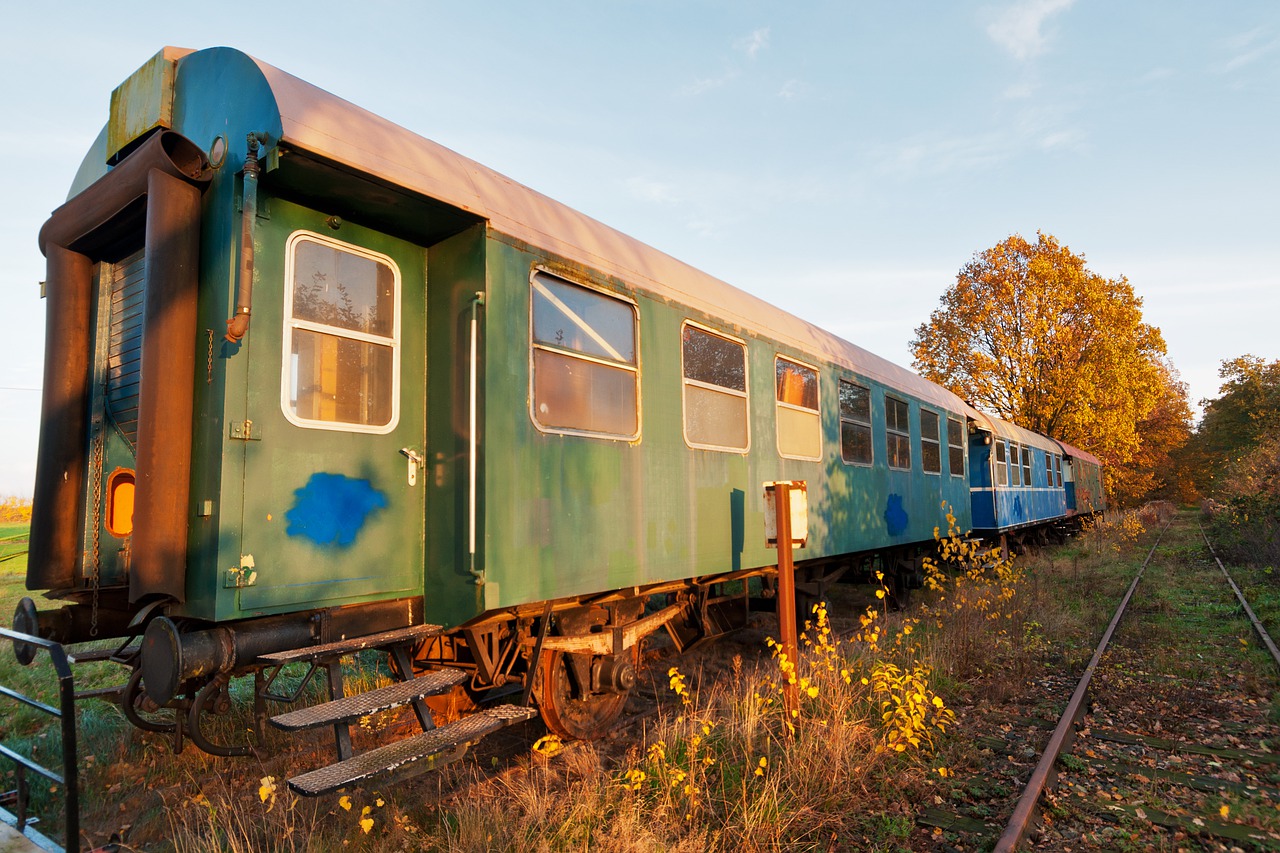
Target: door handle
(415, 462)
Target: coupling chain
(95, 564)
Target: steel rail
(1024, 814)
(1257, 625)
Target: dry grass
(720, 767)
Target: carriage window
(585, 375)
(897, 432)
(930, 443)
(342, 334)
(955, 447)
(1001, 465)
(1048, 469)
(715, 390)
(1015, 470)
(855, 423)
(1026, 466)
(799, 426)
(1057, 470)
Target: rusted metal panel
(144, 101)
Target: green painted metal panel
(329, 516)
(456, 273)
(570, 515)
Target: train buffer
(434, 747)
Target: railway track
(1165, 744)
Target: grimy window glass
(1015, 472)
(1026, 466)
(1048, 469)
(1057, 471)
(715, 390)
(955, 447)
(930, 446)
(1001, 465)
(585, 373)
(342, 331)
(799, 425)
(855, 423)
(897, 432)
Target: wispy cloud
(653, 191)
(710, 84)
(751, 45)
(754, 43)
(1045, 131)
(791, 89)
(1247, 48)
(1019, 28)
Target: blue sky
(840, 159)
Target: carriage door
(333, 486)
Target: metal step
(429, 748)
(370, 702)
(353, 644)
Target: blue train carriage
(448, 418)
(1082, 477)
(1017, 478)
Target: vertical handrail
(66, 712)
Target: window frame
(1000, 463)
(777, 422)
(962, 447)
(685, 382)
(897, 433)
(635, 369)
(1027, 464)
(936, 441)
(289, 324)
(869, 424)
(1015, 465)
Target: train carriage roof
(319, 122)
(1077, 453)
(1013, 432)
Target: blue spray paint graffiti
(331, 509)
(895, 516)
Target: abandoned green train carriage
(454, 397)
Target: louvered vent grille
(124, 348)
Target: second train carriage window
(955, 447)
(1057, 471)
(1026, 466)
(1048, 469)
(715, 390)
(1015, 469)
(799, 426)
(855, 423)
(1001, 464)
(585, 372)
(341, 336)
(930, 443)
(897, 432)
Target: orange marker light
(120, 489)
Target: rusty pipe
(100, 223)
(238, 325)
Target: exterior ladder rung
(370, 702)
(433, 748)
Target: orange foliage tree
(1028, 333)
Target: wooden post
(787, 598)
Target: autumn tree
(1237, 423)
(1028, 333)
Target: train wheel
(574, 713)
